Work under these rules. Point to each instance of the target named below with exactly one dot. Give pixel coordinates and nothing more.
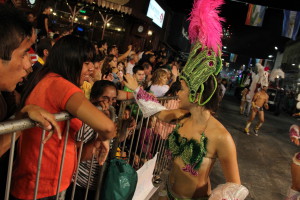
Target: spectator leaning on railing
(56, 88)
(16, 37)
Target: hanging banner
(255, 15)
(249, 63)
(233, 57)
(257, 60)
(291, 23)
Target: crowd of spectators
(63, 72)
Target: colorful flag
(249, 63)
(233, 57)
(255, 15)
(291, 23)
(257, 60)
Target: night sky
(249, 41)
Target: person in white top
(223, 86)
(159, 85)
(133, 59)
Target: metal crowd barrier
(133, 143)
(138, 146)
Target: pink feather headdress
(205, 24)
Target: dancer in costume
(259, 102)
(198, 138)
(244, 101)
(294, 191)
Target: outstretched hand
(44, 119)
(175, 71)
(130, 82)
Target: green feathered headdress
(205, 57)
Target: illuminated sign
(156, 13)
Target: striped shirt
(86, 134)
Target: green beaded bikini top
(191, 151)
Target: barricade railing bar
(152, 143)
(137, 145)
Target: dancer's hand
(295, 141)
(294, 134)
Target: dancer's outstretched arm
(149, 104)
(171, 116)
(227, 155)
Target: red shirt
(52, 94)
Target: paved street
(264, 161)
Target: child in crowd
(147, 138)
(159, 85)
(121, 69)
(128, 125)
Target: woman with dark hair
(104, 94)
(174, 89)
(110, 69)
(56, 88)
(198, 138)
(107, 66)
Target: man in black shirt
(43, 22)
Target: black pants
(61, 197)
(79, 193)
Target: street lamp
(270, 56)
(276, 48)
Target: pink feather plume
(205, 23)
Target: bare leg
(295, 171)
(242, 107)
(294, 191)
(251, 118)
(248, 107)
(261, 118)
